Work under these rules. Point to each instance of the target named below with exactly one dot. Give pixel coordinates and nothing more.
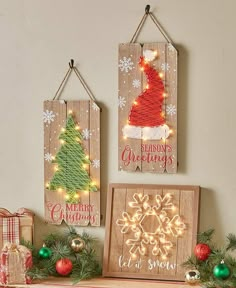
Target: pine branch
(85, 264)
(232, 242)
(205, 237)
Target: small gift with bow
(15, 260)
(16, 226)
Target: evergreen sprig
(216, 256)
(85, 263)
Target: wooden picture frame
(150, 230)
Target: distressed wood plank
(95, 158)
(54, 200)
(171, 107)
(128, 90)
(155, 148)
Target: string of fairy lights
(152, 225)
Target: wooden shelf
(109, 283)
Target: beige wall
(39, 37)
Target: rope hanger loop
(140, 26)
(72, 67)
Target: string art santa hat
(146, 118)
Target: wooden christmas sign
(72, 162)
(147, 105)
(150, 230)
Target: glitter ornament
(202, 251)
(64, 266)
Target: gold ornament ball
(77, 244)
(192, 277)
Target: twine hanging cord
(73, 68)
(147, 12)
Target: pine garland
(85, 263)
(206, 267)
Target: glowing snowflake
(165, 67)
(48, 116)
(86, 133)
(96, 163)
(126, 64)
(48, 157)
(136, 83)
(121, 102)
(171, 109)
(157, 236)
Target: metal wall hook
(147, 9)
(71, 63)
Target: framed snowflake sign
(72, 162)
(150, 230)
(147, 104)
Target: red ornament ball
(202, 251)
(64, 266)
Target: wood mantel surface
(104, 283)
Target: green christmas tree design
(71, 174)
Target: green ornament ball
(45, 252)
(221, 271)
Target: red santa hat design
(146, 117)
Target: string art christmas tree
(146, 117)
(71, 170)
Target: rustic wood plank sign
(147, 104)
(150, 230)
(72, 162)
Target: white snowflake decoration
(164, 225)
(48, 157)
(136, 83)
(86, 134)
(126, 64)
(95, 106)
(171, 110)
(96, 163)
(48, 116)
(165, 67)
(121, 102)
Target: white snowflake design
(48, 116)
(121, 102)
(96, 163)
(136, 83)
(165, 225)
(48, 157)
(165, 67)
(86, 133)
(171, 109)
(126, 64)
(95, 106)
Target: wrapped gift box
(15, 260)
(16, 226)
